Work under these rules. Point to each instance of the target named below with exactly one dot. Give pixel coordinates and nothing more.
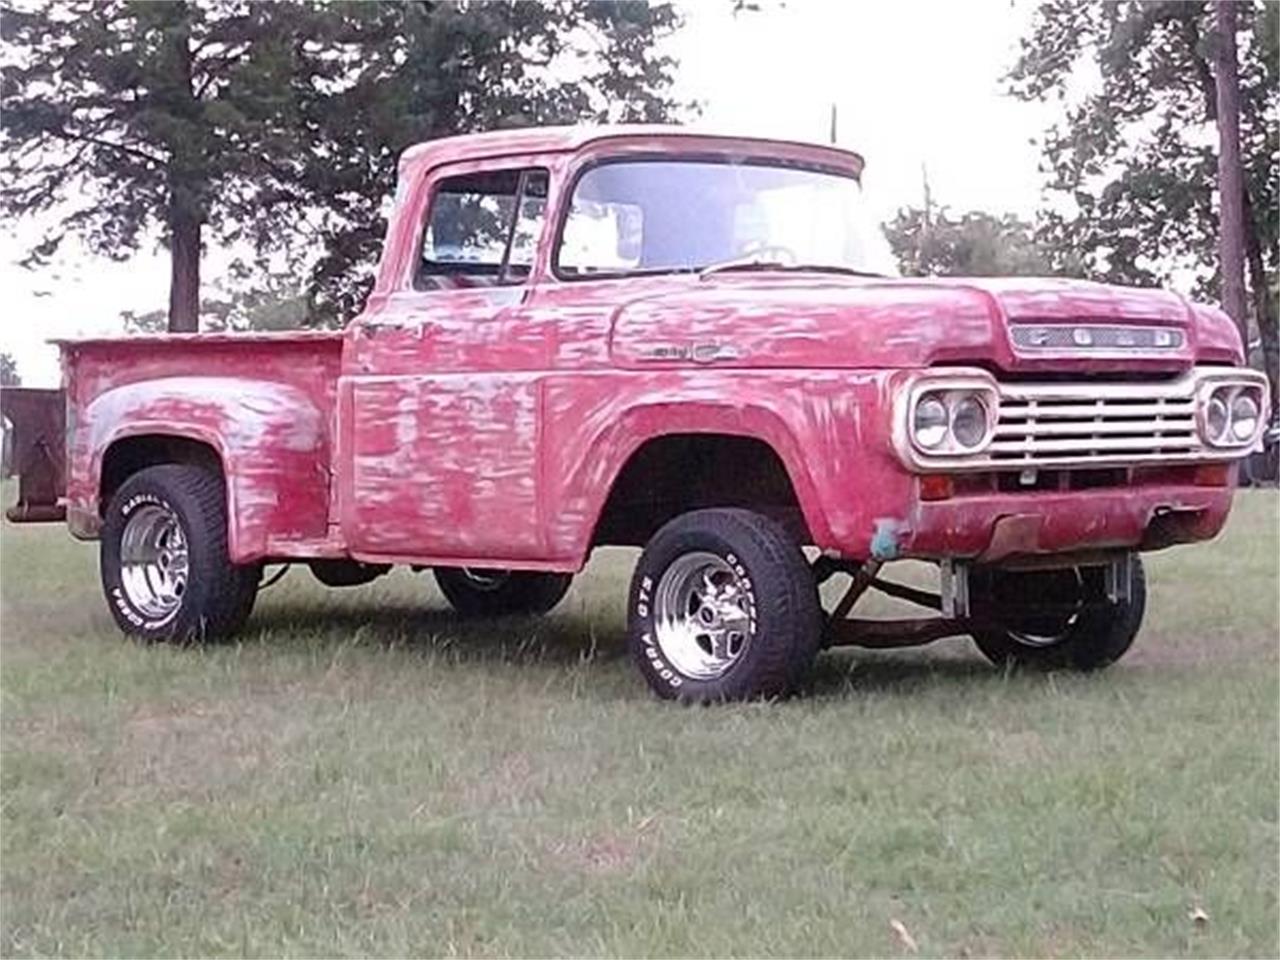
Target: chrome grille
(1049, 425)
(1081, 425)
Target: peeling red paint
(486, 426)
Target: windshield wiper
(833, 268)
(743, 264)
(749, 261)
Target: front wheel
(496, 593)
(723, 607)
(1076, 629)
(164, 562)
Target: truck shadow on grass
(555, 643)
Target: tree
(422, 71)
(158, 115)
(1230, 175)
(274, 301)
(1131, 171)
(279, 124)
(9, 376)
(975, 244)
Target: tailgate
(35, 451)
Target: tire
(501, 593)
(155, 513)
(1096, 636)
(747, 584)
(347, 573)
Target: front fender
(816, 422)
(272, 440)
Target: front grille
(1050, 425)
(1078, 426)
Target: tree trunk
(186, 211)
(1230, 173)
(1264, 303)
(184, 275)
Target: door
(443, 383)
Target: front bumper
(1062, 526)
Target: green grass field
(363, 774)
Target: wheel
(723, 606)
(1084, 631)
(497, 593)
(164, 563)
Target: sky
(916, 85)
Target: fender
(580, 476)
(272, 440)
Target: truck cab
(687, 343)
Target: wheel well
(670, 475)
(126, 457)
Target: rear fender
(272, 441)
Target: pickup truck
(688, 343)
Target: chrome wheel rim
(700, 616)
(154, 564)
(1032, 639)
(1041, 640)
(485, 580)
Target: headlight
(952, 421)
(1230, 414)
(1244, 417)
(929, 428)
(969, 421)
(1216, 419)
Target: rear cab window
(482, 229)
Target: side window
(482, 229)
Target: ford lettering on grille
(1094, 337)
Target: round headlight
(969, 421)
(1216, 417)
(929, 428)
(1244, 417)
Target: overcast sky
(915, 83)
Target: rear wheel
(496, 593)
(164, 562)
(1077, 628)
(723, 607)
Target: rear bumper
(1012, 528)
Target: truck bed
(263, 402)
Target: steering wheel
(784, 255)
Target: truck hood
(1015, 324)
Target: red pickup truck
(650, 337)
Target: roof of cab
(497, 143)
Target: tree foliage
(126, 119)
(974, 244)
(278, 125)
(1131, 170)
(9, 376)
(272, 301)
(422, 71)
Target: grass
(365, 775)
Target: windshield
(655, 216)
